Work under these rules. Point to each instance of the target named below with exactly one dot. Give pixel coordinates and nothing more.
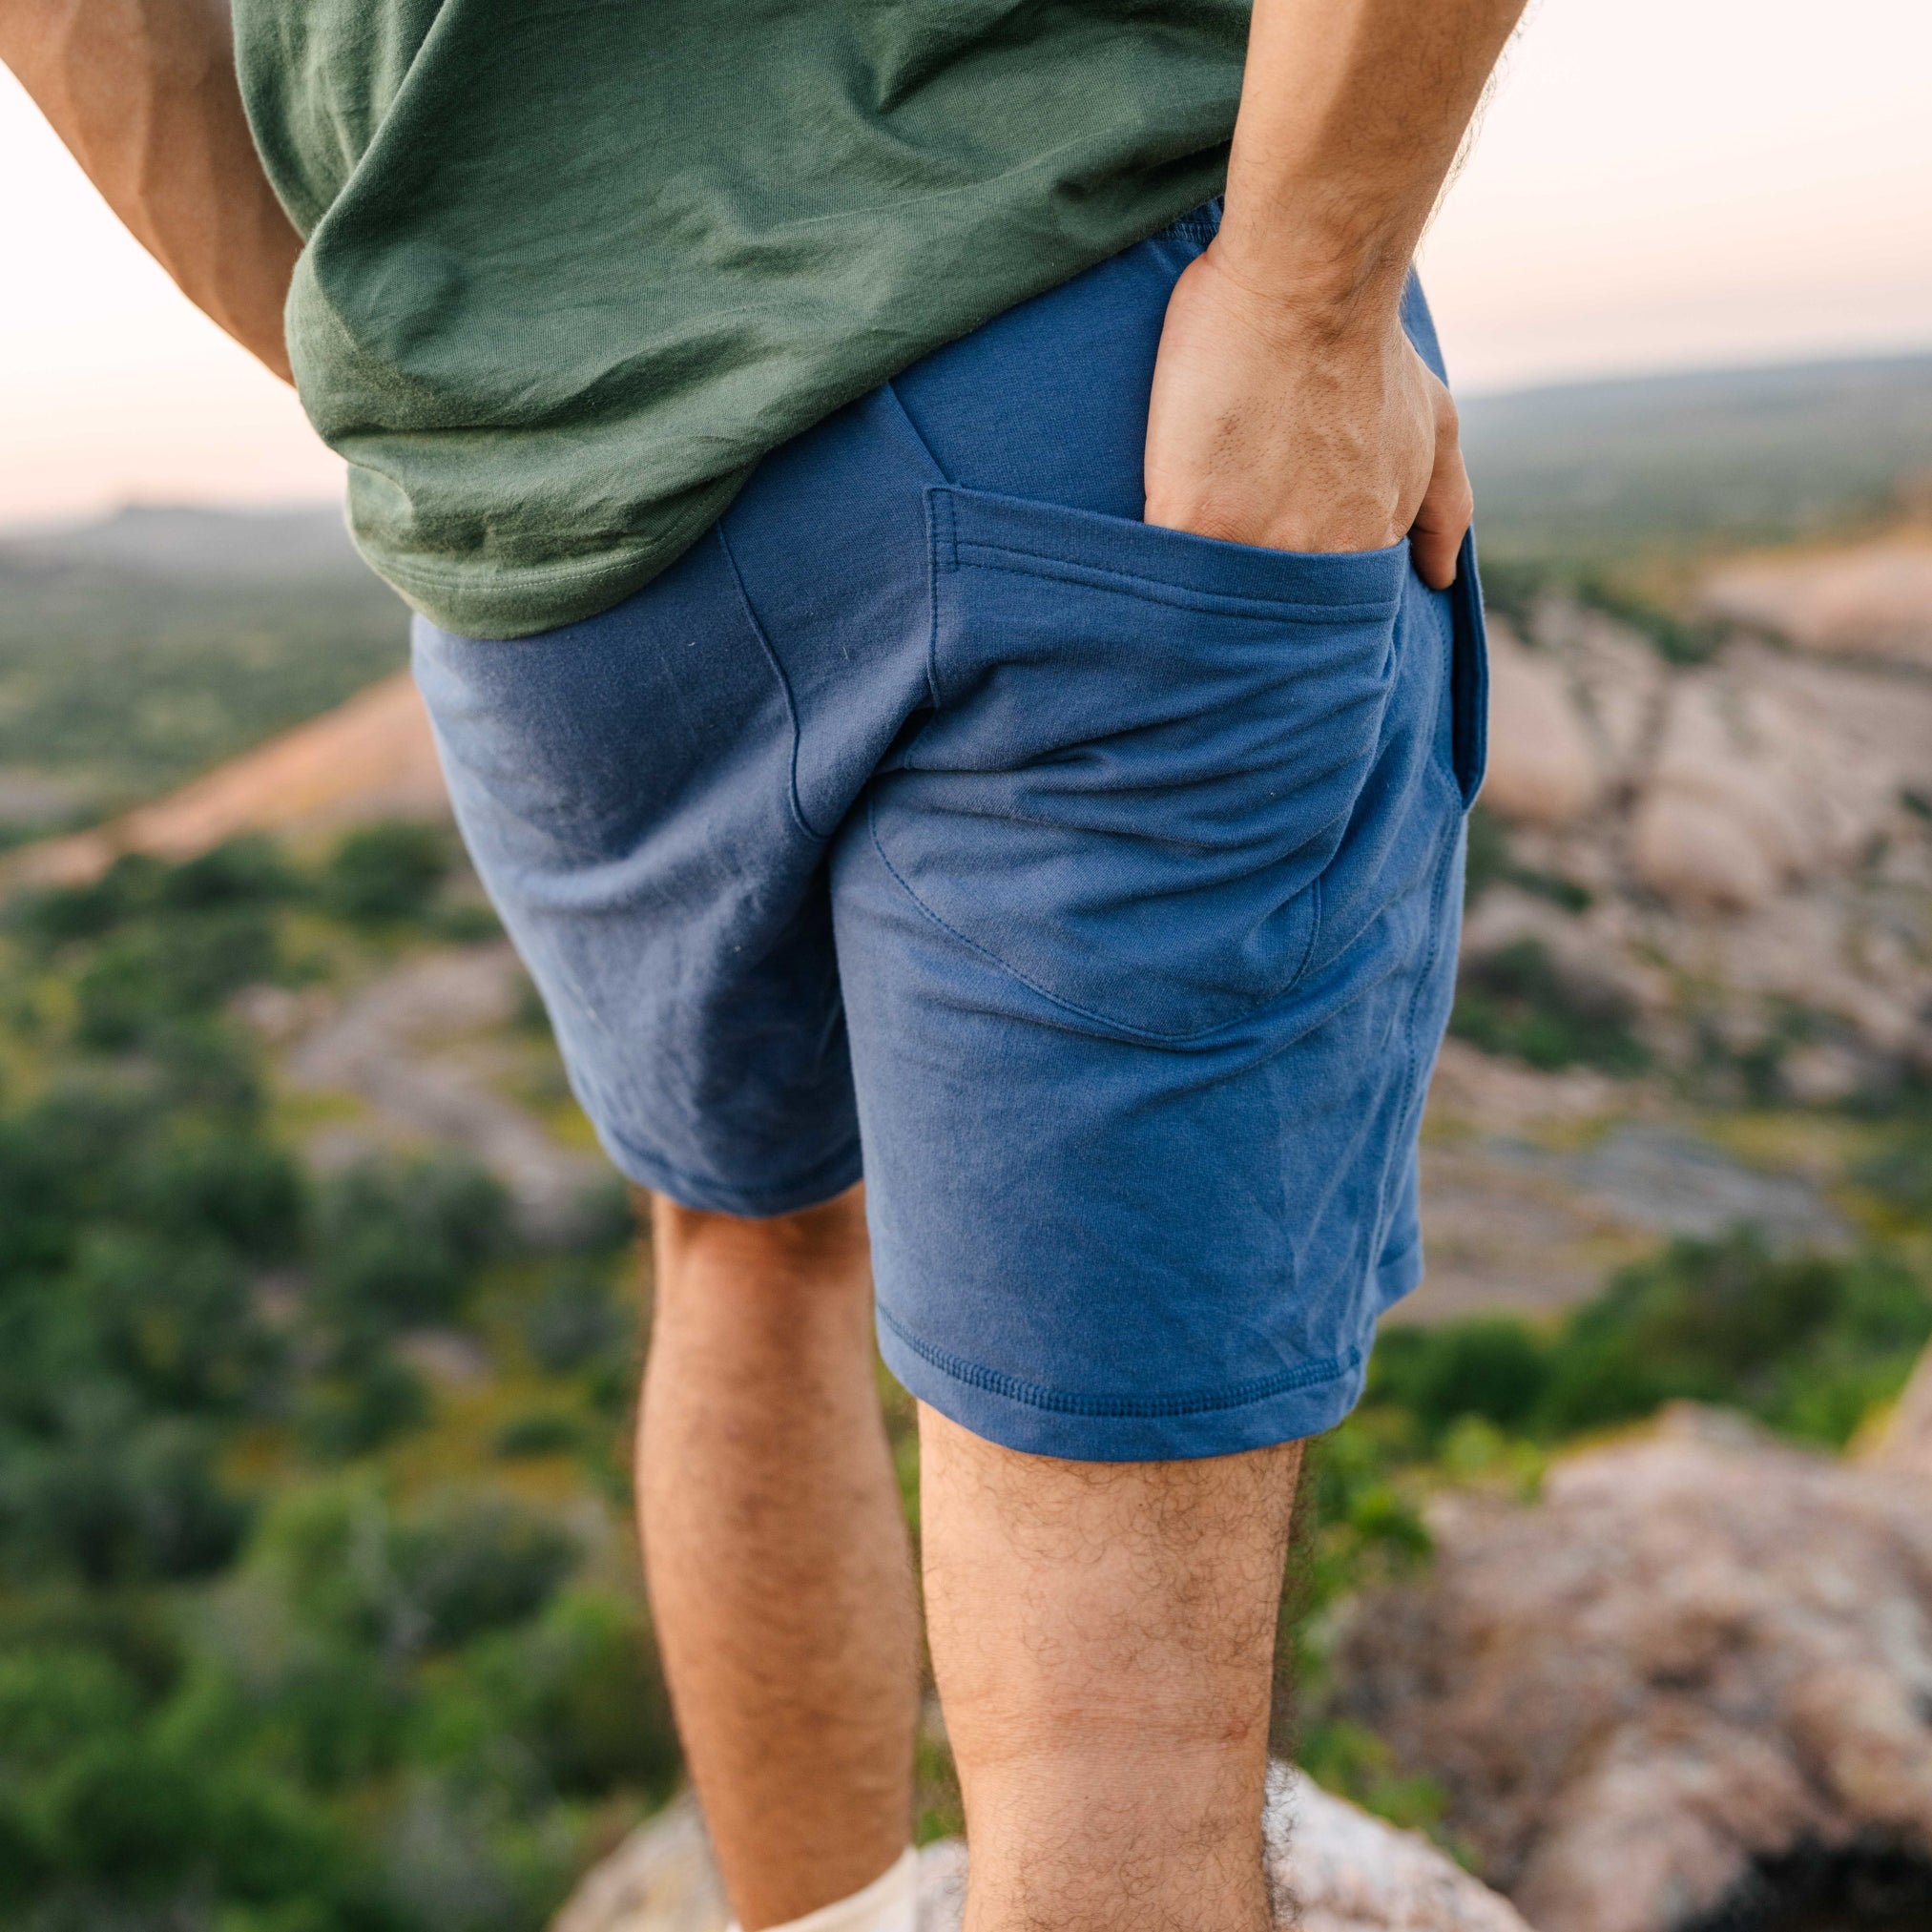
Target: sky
(1655, 184)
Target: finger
(1448, 505)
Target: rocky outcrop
(1872, 599)
(1543, 765)
(1343, 1870)
(1752, 837)
(1340, 1870)
(1701, 1654)
(1748, 793)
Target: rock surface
(1543, 765)
(1744, 844)
(1873, 598)
(1345, 1871)
(1756, 784)
(1905, 1443)
(423, 1048)
(1700, 1654)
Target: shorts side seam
(778, 670)
(939, 470)
(1437, 893)
(1071, 1403)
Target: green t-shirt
(573, 268)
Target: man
(955, 653)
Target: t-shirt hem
(500, 603)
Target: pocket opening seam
(1003, 560)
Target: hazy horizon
(1654, 190)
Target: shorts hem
(1285, 1406)
(1397, 1275)
(819, 1184)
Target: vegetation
(118, 681)
(1810, 1346)
(297, 1634)
(276, 1656)
(1516, 1001)
(1672, 466)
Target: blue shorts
(1092, 888)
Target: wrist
(1304, 299)
(1313, 252)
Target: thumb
(1443, 520)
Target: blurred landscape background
(320, 1313)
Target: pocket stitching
(1067, 1005)
(943, 505)
(942, 540)
(1005, 965)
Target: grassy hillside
(139, 651)
(1597, 469)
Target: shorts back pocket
(1144, 750)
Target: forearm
(143, 92)
(1352, 112)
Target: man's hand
(1289, 410)
(1268, 427)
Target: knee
(821, 1237)
(821, 1249)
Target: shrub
(56, 915)
(583, 1692)
(1901, 1174)
(1516, 1002)
(169, 969)
(575, 1321)
(366, 1400)
(1493, 1367)
(1487, 860)
(543, 1432)
(1806, 1344)
(245, 871)
(402, 1244)
(478, 1565)
(198, 1181)
(110, 1499)
(386, 872)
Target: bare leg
(779, 1575)
(1104, 1636)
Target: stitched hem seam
(823, 1182)
(1071, 1403)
